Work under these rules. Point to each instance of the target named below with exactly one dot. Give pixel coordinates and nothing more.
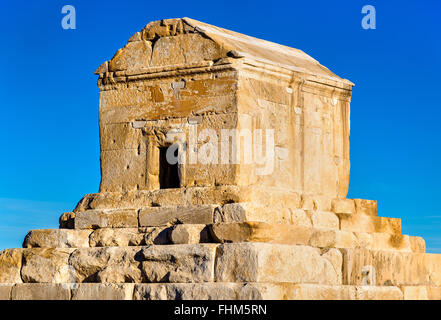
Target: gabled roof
(262, 50)
(233, 44)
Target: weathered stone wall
(135, 119)
(311, 125)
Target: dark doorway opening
(168, 173)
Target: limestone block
(166, 197)
(189, 234)
(123, 169)
(158, 216)
(107, 264)
(322, 203)
(156, 235)
(102, 291)
(109, 237)
(414, 293)
(433, 293)
(324, 238)
(10, 265)
(260, 232)
(92, 219)
(186, 291)
(41, 291)
(118, 136)
(300, 218)
(189, 48)
(179, 263)
(5, 291)
(307, 202)
(271, 197)
(134, 56)
(262, 262)
(323, 219)
(245, 211)
(46, 265)
(368, 207)
(291, 291)
(219, 195)
(336, 258)
(391, 267)
(66, 220)
(417, 244)
(378, 293)
(133, 199)
(343, 206)
(386, 241)
(365, 223)
(57, 238)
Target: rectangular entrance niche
(168, 173)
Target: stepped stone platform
(158, 230)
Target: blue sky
(49, 98)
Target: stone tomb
(213, 225)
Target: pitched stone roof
(229, 44)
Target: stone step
(255, 262)
(228, 262)
(315, 237)
(391, 268)
(362, 221)
(212, 291)
(223, 232)
(191, 196)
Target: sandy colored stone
(10, 265)
(92, 219)
(391, 267)
(323, 219)
(417, 244)
(134, 56)
(378, 293)
(366, 223)
(433, 293)
(325, 238)
(343, 206)
(260, 232)
(368, 207)
(111, 237)
(300, 218)
(156, 235)
(179, 263)
(414, 293)
(102, 291)
(57, 238)
(46, 265)
(41, 291)
(5, 291)
(189, 234)
(107, 264)
(245, 211)
(307, 202)
(261, 262)
(158, 216)
(67, 220)
(291, 291)
(186, 291)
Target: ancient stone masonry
(197, 229)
